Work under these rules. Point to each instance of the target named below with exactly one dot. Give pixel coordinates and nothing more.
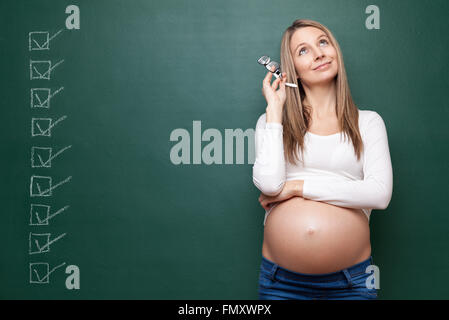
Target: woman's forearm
(273, 114)
(299, 187)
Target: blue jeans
(278, 283)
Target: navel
(310, 230)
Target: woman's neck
(322, 99)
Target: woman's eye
(302, 49)
(323, 40)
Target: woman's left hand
(291, 189)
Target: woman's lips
(323, 66)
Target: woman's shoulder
(367, 116)
(370, 120)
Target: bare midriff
(315, 237)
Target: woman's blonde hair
(297, 112)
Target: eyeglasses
(266, 61)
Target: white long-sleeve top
(330, 170)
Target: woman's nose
(317, 52)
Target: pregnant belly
(308, 236)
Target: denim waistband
(277, 271)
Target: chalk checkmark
(46, 132)
(47, 245)
(54, 156)
(46, 102)
(34, 184)
(48, 190)
(45, 45)
(46, 163)
(50, 69)
(45, 221)
(37, 74)
(41, 280)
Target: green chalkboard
(92, 182)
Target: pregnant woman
(322, 165)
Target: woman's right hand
(275, 98)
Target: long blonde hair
(297, 112)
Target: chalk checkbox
(39, 272)
(43, 126)
(38, 243)
(39, 215)
(41, 70)
(41, 157)
(40, 186)
(40, 40)
(40, 97)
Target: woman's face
(310, 48)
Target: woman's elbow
(269, 188)
(384, 200)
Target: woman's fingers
(279, 81)
(265, 205)
(275, 83)
(282, 84)
(267, 79)
(265, 202)
(262, 200)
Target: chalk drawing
(40, 40)
(46, 123)
(40, 272)
(37, 182)
(40, 242)
(41, 70)
(40, 97)
(41, 157)
(40, 214)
